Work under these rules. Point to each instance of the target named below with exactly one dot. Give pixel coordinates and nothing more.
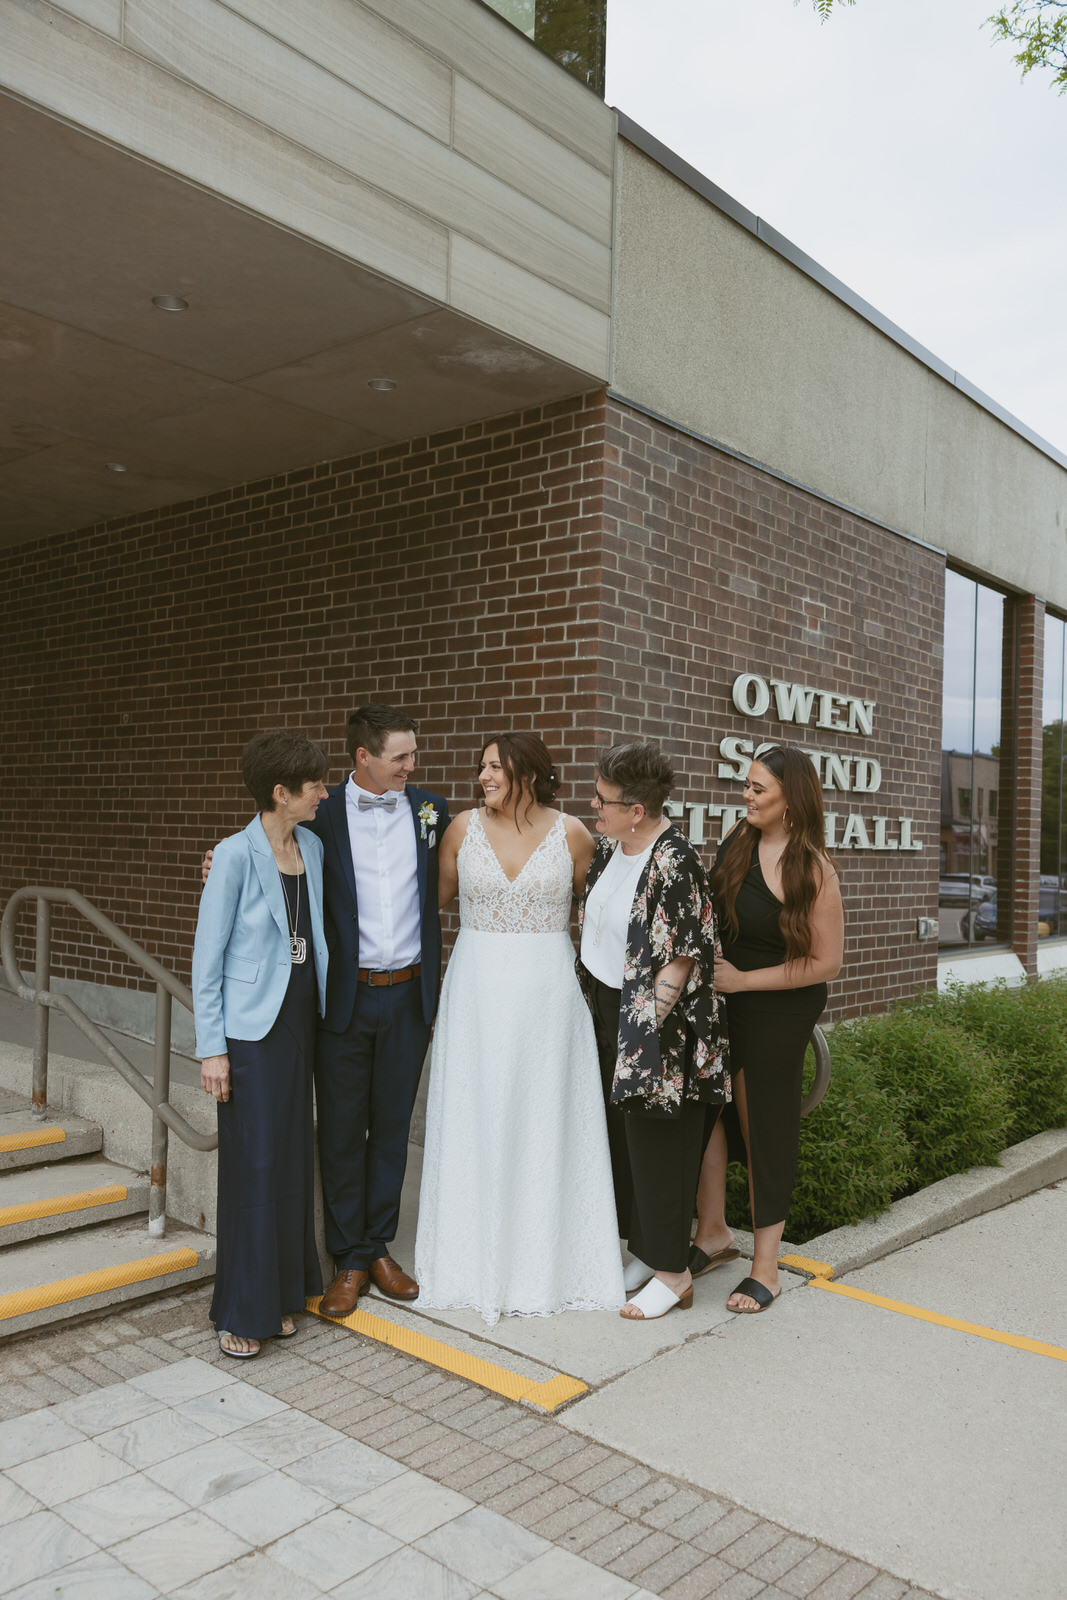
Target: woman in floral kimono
(647, 952)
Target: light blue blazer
(241, 959)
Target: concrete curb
(1025, 1167)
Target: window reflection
(572, 32)
(974, 898)
(1052, 893)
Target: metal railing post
(41, 978)
(157, 1198)
(155, 1093)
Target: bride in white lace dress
(516, 1211)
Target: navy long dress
(267, 1264)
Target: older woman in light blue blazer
(259, 978)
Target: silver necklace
(298, 948)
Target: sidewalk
(834, 1447)
(137, 1461)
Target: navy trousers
(366, 1080)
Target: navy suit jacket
(341, 912)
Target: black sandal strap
(755, 1291)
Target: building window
(572, 32)
(977, 723)
(1052, 894)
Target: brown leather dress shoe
(345, 1290)
(392, 1280)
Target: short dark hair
(279, 757)
(526, 761)
(640, 771)
(369, 726)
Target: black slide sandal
(756, 1291)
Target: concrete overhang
(266, 371)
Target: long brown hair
(804, 859)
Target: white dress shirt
(385, 863)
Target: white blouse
(607, 916)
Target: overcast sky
(894, 143)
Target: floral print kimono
(658, 1068)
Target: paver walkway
(136, 1461)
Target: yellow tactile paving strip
(550, 1394)
(822, 1272)
(59, 1205)
(90, 1283)
(30, 1141)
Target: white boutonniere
(427, 817)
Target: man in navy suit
(380, 838)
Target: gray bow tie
(367, 802)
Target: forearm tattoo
(666, 994)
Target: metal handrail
(155, 1094)
(821, 1081)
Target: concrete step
(49, 1280)
(25, 1142)
(36, 1201)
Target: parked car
(965, 888)
(985, 916)
(985, 921)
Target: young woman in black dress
(779, 908)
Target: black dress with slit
(267, 1264)
(769, 1034)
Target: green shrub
(949, 1093)
(1026, 1029)
(930, 1089)
(854, 1155)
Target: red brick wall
(712, 568)
(455, 576)
(575, 569)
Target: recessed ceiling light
(381, 383)
(116, 466)
(169, 302)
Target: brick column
(1029, 656)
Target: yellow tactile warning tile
(822, 1273)
(59, 1205)
(547, 1395)
(30, 1141)
(818, 1269)
(89, 1283)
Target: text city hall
(845, 771)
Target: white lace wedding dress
(516, 1211)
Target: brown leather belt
(388, 980)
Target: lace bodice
(539, 900)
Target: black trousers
(665, 1157)
(605, 1007)
(365, 1084)
(655, 1161)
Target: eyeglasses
(598, 801)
